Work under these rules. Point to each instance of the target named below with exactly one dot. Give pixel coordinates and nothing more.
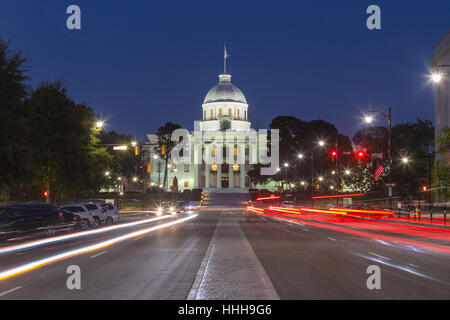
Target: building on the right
(440, 65)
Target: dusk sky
(142, 63)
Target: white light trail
(32, 244)
(39, 263)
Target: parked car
(87, 219)
(97, 212)
(34, 219)
(112, 213)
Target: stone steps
(225, 199)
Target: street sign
(390, 184)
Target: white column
(219, 176)
(230, 176)
(207, 175)
(196, 169)
(242, 172)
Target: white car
(112, 213)
(87, 220)
(97, 212)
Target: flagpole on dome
(225, 56)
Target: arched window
(212, 114)
(238, 114)
(220, 112)
(229, 111)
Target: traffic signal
(136, 150)
(45, 194)
(424, 188)
(361, 155)
(333, 154)
(163, 149)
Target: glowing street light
(347, 172)
(133, 143)
(300, 156)
(321, 143)
(99, 124)
(368, 118)
(286, 164)
(320, 178)
(436, 77)
(135, 179)
(405, 160)
(107, 173)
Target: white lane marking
(98, 254)
(379, 256)
(304, 229)
(332, 239)
(9, 291)
(403, 268)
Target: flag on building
(378, 172)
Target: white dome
(225, 91)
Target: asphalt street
(231, 255)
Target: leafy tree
(164, 139)
(441, 172)
(411, 140)
(13, 91)
(125, 162)
(62, 137)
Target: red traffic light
(46, 194)
(361, 154)
(424, 188)
(334, 153)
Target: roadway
(222, 254)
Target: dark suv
(27, 219)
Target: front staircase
(225, 199)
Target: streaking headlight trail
(39, 263)
(77, 235)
